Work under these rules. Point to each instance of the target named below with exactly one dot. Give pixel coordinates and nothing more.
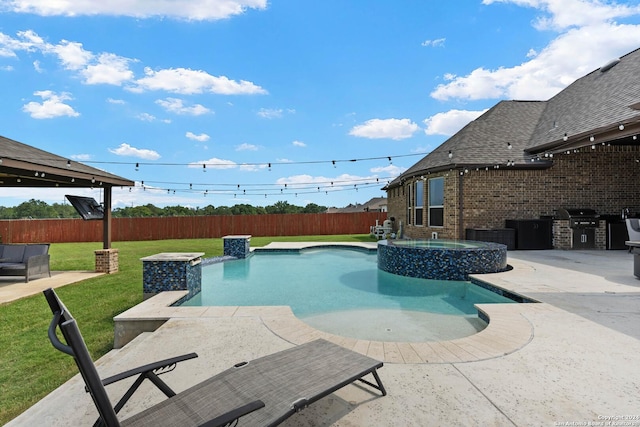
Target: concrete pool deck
(573, 358)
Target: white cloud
(247, 147)
(110, 69)
(187, 81)
(37, 67)
(115, 101)
(146, 117)
(328, 183)
(395, 129)
(197, 10)
(200, 138)
(105, 68)
(81, 157)
(270, 113)
(127, 150)
(590, 39)
(390, 171)
(252, 168)
(214, 163)
(298, 144)
(563, 14)
(434, 43)
(175, 105)
(72, 55)
(52, 106)
(450, 122)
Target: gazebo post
(107, 258)
(106, 220)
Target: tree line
(37, 209)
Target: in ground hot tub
(441, 259)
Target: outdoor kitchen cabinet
(532, 233)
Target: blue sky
(305, 102)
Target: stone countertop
(174, 256)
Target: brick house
(524, 160)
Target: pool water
(342, 291)
(436, 244)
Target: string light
(226, 164)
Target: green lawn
(30, 367)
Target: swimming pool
(342, 291)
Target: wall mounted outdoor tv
(87, 207)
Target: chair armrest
(234, 414)
(165, 365)
(37, 260)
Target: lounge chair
(262, 392)
(633, 229)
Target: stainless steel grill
(583, 224)
(579, 218)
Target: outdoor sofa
(26, 260)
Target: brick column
(107, 261)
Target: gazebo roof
(24, 166)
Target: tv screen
(87, 207)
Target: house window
(436, 202)
(409, 204)
(419, 201)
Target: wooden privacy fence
(187, 227)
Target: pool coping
(508, 328)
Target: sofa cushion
(13, 253)
(32, 250)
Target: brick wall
(604, 178)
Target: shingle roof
(592, 103)
(486, 140)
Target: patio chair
(633, 228)
(264, 392)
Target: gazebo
(23, 166)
